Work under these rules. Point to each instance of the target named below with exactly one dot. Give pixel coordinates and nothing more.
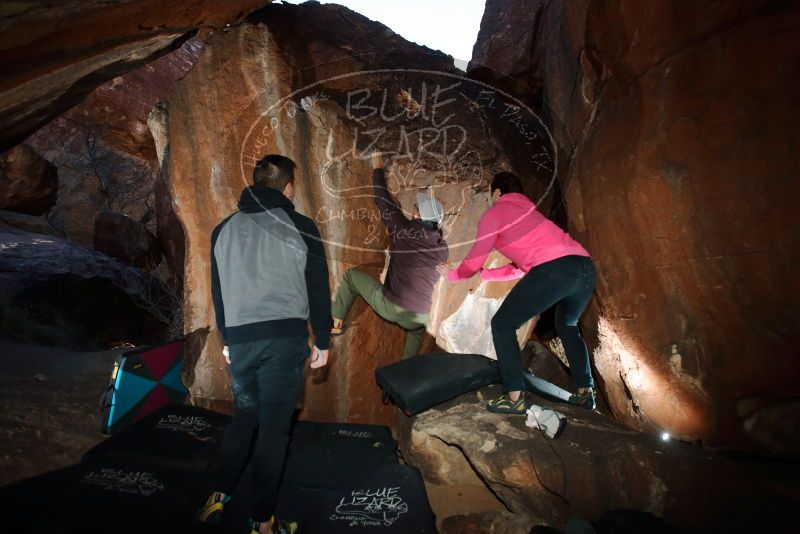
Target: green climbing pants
(356, 283)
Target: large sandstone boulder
(595, 466)
(104, 149)
(325, 86)
(28, 182)
(94, 175)
(508, 51)
(129, 241)
(122, 105)
(55, 292)
(52, 56)
(676, 119)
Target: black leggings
(567, 283)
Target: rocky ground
(48, 407)
(57, 293)
(594, 467)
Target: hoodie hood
(256, 198)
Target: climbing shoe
(278, 526)
(503, 404)
(337, 331)
(211, 512)
(583, 397)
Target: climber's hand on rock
(378, 161)
(227, 354)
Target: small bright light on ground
(665, 436)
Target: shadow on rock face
(195, 341)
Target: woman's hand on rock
(378, 161)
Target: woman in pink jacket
(555, 270)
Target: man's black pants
(267, 380)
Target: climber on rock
(416, 248)
(269, 279)
(555, 270)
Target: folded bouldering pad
(419, 383)
(142, 381)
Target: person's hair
(431, 225)
(274, 171)
(506, 182)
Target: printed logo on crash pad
(343, 432)
(183, 423)
(371, 507)
(135, 482)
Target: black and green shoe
(584, 397)
(278, 526)
(211, 512)
(503, 404)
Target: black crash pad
(154, 475)
(419, 383)
(391, 498)
(333, 455)
(176, 435)
(103, 495)
(326, 462)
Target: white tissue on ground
(544, 419)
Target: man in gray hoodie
(269, 279)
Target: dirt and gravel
(49, 400)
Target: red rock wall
(28, 183)
(681, 119)
(52, 56)
(105, 139)
(237, 104)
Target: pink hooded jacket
(517, 230)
